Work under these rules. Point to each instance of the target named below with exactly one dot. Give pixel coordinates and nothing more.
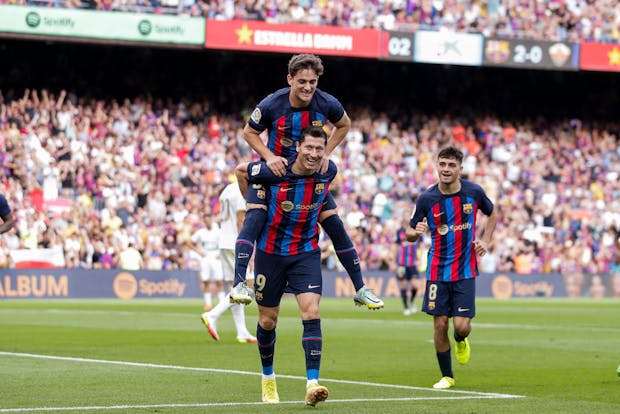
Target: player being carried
(284, 114)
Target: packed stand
(146, 174)
(567, 20)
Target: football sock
(312, 342)
(414, 292)
(244, 247)
(344, 248)
(459, 338)
(239, 318)
(403, 296)
(266, 346)
(445, 364)
(207, 298)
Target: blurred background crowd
(108, 149)
(568, 20)
(146, 173)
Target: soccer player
(205, 241)
(6, 215)
(232, 212)
(288, 254)
(406, 270)
(284, 114)
(448, 210)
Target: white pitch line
(468, 394)
(236, 404)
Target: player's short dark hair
(305, 61)
(313, 131)
(451, 153)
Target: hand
(421, 227)
(324, 165)
(480, 247)
(277, 165)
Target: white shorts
(228, 265)
(211, 267)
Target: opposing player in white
(232, 213)
(206, 243)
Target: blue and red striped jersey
(284, 123)
(293, 206)
(452, 222)
(406, 253)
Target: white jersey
(207, 239)
(231, 202)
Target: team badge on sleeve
(256, 115)
(255, 169)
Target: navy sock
(344, 248)
(413, 293)
(266, 346)
(312, 342)
(445, 364)
(244, 247)
(459, 338)
(403, 295)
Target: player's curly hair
(305, 61)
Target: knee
(268, 322)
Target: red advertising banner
(600, 56)
(291, 38)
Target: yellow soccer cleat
(270, 391)
(463, 351)
(444, 383)
(316, 393)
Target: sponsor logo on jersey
(287, 206)
(444, 229)
(286, 142)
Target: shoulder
(471, 187)
(275, 98)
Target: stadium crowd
(145, 174)
(569, 20)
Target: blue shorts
(406, 272)
(450, 298)
(297, 274)
(257, 194)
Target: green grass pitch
(155, 356)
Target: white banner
(53, 258)
(447, 47)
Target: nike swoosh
(463, 309)
(286, 189)
(438, 214)
(282, 128)
(313, 286)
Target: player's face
(303, 85)
(311, 153)
(448, 170)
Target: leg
(442, 350)
(244, 248)
(312, 342)
(266, 337)
(346, 252)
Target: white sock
(239, 317)
(220, 308)
(208, 300)
(270, 376)
(221, 297)
(312, 382)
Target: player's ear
(289, 79)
